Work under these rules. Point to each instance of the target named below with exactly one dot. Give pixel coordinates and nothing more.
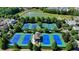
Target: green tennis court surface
(49, 26)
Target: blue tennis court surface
(26, 26)
(26, 39)
(46, 39)
(33, 26)
(57, 39)
(30, 26)
(21, 39)
(15, 39)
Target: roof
(58, 8)
(70, 22)
(76, 27)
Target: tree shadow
(41, 39)
(77, 49)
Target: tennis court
(46, 42)
(26, 26)
(46, 39)
(30, 26)
(21, 39)
(15, 39)
(58, 38)
(26, 40)
(49, 26)
(52, 26)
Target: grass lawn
(39, 13)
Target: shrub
(73, 32)
(40, 30)
(77, 37)
(38, 19)
(66, 37)
(58, 23)
(69, 46)
(70, 28)
(35, 48)
(17, 28)
(1, 43)
(4, 43)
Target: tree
(49, 20)
(71, 11)
(40, 24)
(46, 30)
(40, 30)
(32, 20)
(58, 23)
(38, 19)
(73, 32)
(23, 20)
(30, 45)
(10, 27)
(42, 19)
(66, 37)
(3, 31)
(54, 19)
(4, 44)
(6, 11)
(54, 46)
(18, 26)
(77, 37)
(70, 28)
(69, 46)
(28, 19)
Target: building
(11, 21)
(58, 8)
(71, 22)
(76, 28)
(3, 24)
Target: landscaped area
(39, 13)
(57, 30)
